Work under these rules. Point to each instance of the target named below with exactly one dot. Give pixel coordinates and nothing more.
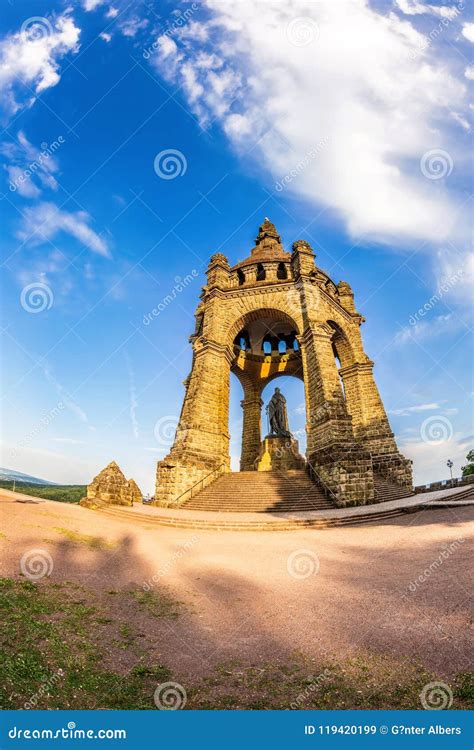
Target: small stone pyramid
(133, 491)
(112, 488)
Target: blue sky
(347, 124)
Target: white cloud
(106, 37)
(132, 25)
(93, 4)
(46, 220)
(29, 60)
(413, 8)
(112, 12)
(281, 78)
(427, 329)
(407, 410)
(468, 31)
(469, 72)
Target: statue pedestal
(279, 454)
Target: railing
(313, 474)
(199, 483)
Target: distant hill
(7, 475)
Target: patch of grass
(51, 657)
(95, 542)
(158, 604)
(65, 493)
(369, 682)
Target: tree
(469, 468)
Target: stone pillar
(370, 422)
(201, 445)
(271, 270)
(337, 458)
(251, 429)
(250, 274)
(327, 416)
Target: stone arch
(243, 321)
(341, 345)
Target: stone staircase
(260, 492)
(275, 491)
(386, 490)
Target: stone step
(267, 524)
(260, 492)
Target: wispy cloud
(68, 441)
(45, 220)
(133, 397)
(406, 410)
(30, 169)
(64, 394)
(425, 329)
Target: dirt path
(260, 597)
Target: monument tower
(276, 313)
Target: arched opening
(281, 344)
(267, 344)
(281, 271)
(242, 341)
(342, 351)
(261, 275)
(240, 276)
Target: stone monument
(277, 313)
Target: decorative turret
(302, 259)
(346, 296)
(218, 271)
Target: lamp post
(450, 465)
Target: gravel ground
(400, 587)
